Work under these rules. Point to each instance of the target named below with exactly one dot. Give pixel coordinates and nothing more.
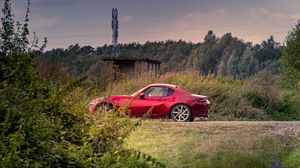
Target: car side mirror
(142, 95)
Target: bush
(44, 121)
(45, 124)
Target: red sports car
(162, 100)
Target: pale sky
(88, 22)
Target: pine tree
(7, 31)
(13, 40)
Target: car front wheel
(181, 113)
(105, 107)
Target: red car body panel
(160, 106)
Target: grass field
(219, 144)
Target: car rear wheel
(105, 107)
(181, 113)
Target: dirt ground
(290, 128)
(285, 128)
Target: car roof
(169, 85)
(163, 84)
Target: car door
(152, 102)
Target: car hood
(119, 97)
(111, 98)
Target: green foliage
(14, 36)
(293, 157)
(291, 69)
(44, 123)
(291, 58)
(47, 125)
(23, 127)
(7, 32)
(220, 56)
(13, 40)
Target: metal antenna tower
(115, 27)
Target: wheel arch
(104, 102)
(169, 115)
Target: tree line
(221, 56)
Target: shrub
(45, 124)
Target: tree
(74, 48)
(14, 37)
(210, 37)
(270, 50)
(7, 31)
(291, 57)
(86, 50)
(248, 64)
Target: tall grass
(258, 98)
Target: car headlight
(91, 103)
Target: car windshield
(136, 93)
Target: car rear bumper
(200, 110)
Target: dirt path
(290, 128)
(286, 128)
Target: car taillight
(202, 100)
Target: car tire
(192, 119)
(105, 107)
(181, 113)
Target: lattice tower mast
(115, 29)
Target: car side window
(158, 91)
(170, 91)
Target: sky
(88, 22)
